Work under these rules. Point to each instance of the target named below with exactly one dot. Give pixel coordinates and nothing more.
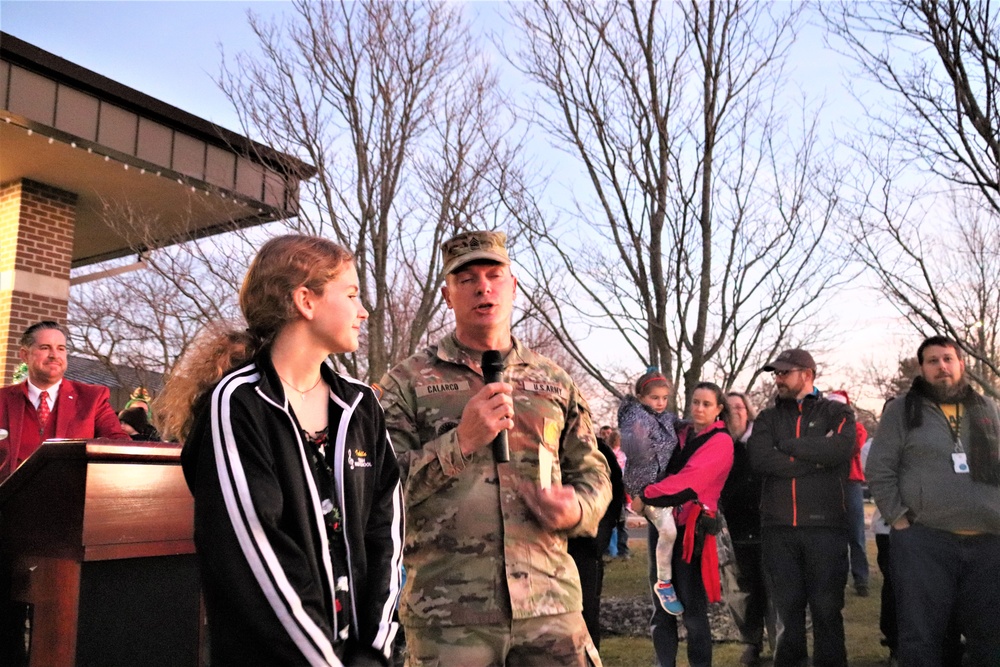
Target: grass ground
(628, 578)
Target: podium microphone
(493, 372)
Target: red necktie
(43, 410)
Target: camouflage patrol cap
(471, 246)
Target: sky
(169, 50)
(173, 50)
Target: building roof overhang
(146, 174)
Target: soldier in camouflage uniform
(489, 580)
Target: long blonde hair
(282, 265)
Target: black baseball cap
(790, 360)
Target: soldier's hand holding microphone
(489, 413)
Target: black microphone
(493, 372)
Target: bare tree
(406, 124)
(939, 266)
(403, 117)
(532, 332)
(701, 238)
(929, 206)
(893, 382)
(144, 314)
(939, 60)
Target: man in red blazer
(48, 406)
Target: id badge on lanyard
(959, 462)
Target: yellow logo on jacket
(358, 458)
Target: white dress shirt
(35, 394)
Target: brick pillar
(36, 247)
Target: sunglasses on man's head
(781, 374)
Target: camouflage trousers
(561, 640)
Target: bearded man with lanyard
(934, 471)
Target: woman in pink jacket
(694, 481)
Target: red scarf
(709, 555)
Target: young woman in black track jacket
(298, 507)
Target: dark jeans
(887, 614)
(622, 538)
(939, 576)
(856, 532)
(750, 607)
(691, 592)
(807, 566)
(591, 571)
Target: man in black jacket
(802, 448)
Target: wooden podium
(97, 561)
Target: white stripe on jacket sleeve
(387, 629)
(260, 555)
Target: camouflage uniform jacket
(474, 553)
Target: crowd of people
(470, 511)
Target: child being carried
(649, 438)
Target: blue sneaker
(668, 598)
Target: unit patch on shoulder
(441, 388)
